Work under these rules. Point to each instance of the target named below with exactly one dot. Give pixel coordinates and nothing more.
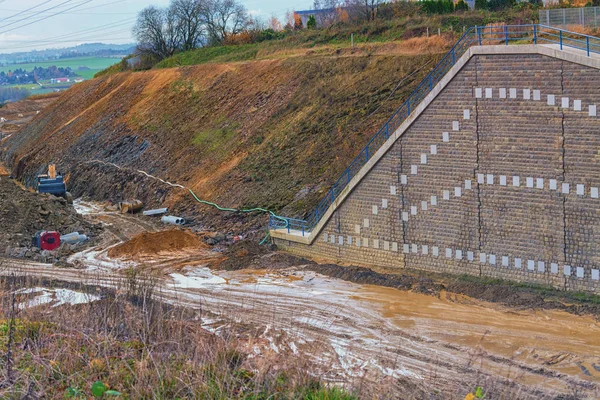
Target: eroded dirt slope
(269, 133)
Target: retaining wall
(499, 176)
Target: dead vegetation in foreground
(135, 346)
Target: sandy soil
(356, 331)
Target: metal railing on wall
(475, 36)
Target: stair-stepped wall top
(498, 175)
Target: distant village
(38, 75)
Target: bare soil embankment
(273, 133)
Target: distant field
(94, 64)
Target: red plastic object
(49, 240)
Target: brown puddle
(550, 338)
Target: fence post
(506, 33)
(587, 45)
(560, 39)
(564, 18)
(453, 57)
(408, 106)
(535, 34)
(430, 82)
(479, 35)
(367, 153)
(387, 131)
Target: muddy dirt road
(351, 332)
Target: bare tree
(363, 9)
(223, 18)
(191, 30)
(328, 12)
(156, 32)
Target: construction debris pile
(24, 213)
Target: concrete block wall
(498, 177)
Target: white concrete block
(518, 263)
(513, 93)
(539, 183)
(394, 246)
(490, 179)
(457, 191)
(594, 193)
(349, 240)
(375, 243)
(424, 205)
(403, 179)
(325, 237)
(537, 95)
(470, 255)
(580, 189)
(413, 210)
(433, 149)
(596, 274)
(529, 182)
(567, 270)
(467, 114)
(365, 242)
(406, 249)
(424, 249)
(404, 216)
(375, 210)
(565, 188)
(413, 169)
(357, 229)
(446, 195)
(480, 179)
(435, 251)
(553, 184)
(366, 223)
(577, 105)
(445, 136)
(455, 126)
(459, 254)
(433, 200)
(551, 100)
(423, 158)
(448, 253)
(357, 241)
(526, 94)
(488, 93)
(530, 265)
(580, 272)
(502, 180)
(502, 93)
(341, 240)
(478, 93)
(516, 181)
(541, 266)
(468, 184)
(492, 259)
(554, 268)
(393, 190)
(386, 245)
(505, 261)
(332, 239)
(482, 258)
(592, 110)
(414, 248)
(565, 102)
(384, 203)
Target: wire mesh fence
(588, 17)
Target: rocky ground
(24, 212)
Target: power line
(49, 16)
(24, 11)
(34, 14)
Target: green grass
(244, 52)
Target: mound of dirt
(23, 213)
(156, 242)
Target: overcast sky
(84, 21)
